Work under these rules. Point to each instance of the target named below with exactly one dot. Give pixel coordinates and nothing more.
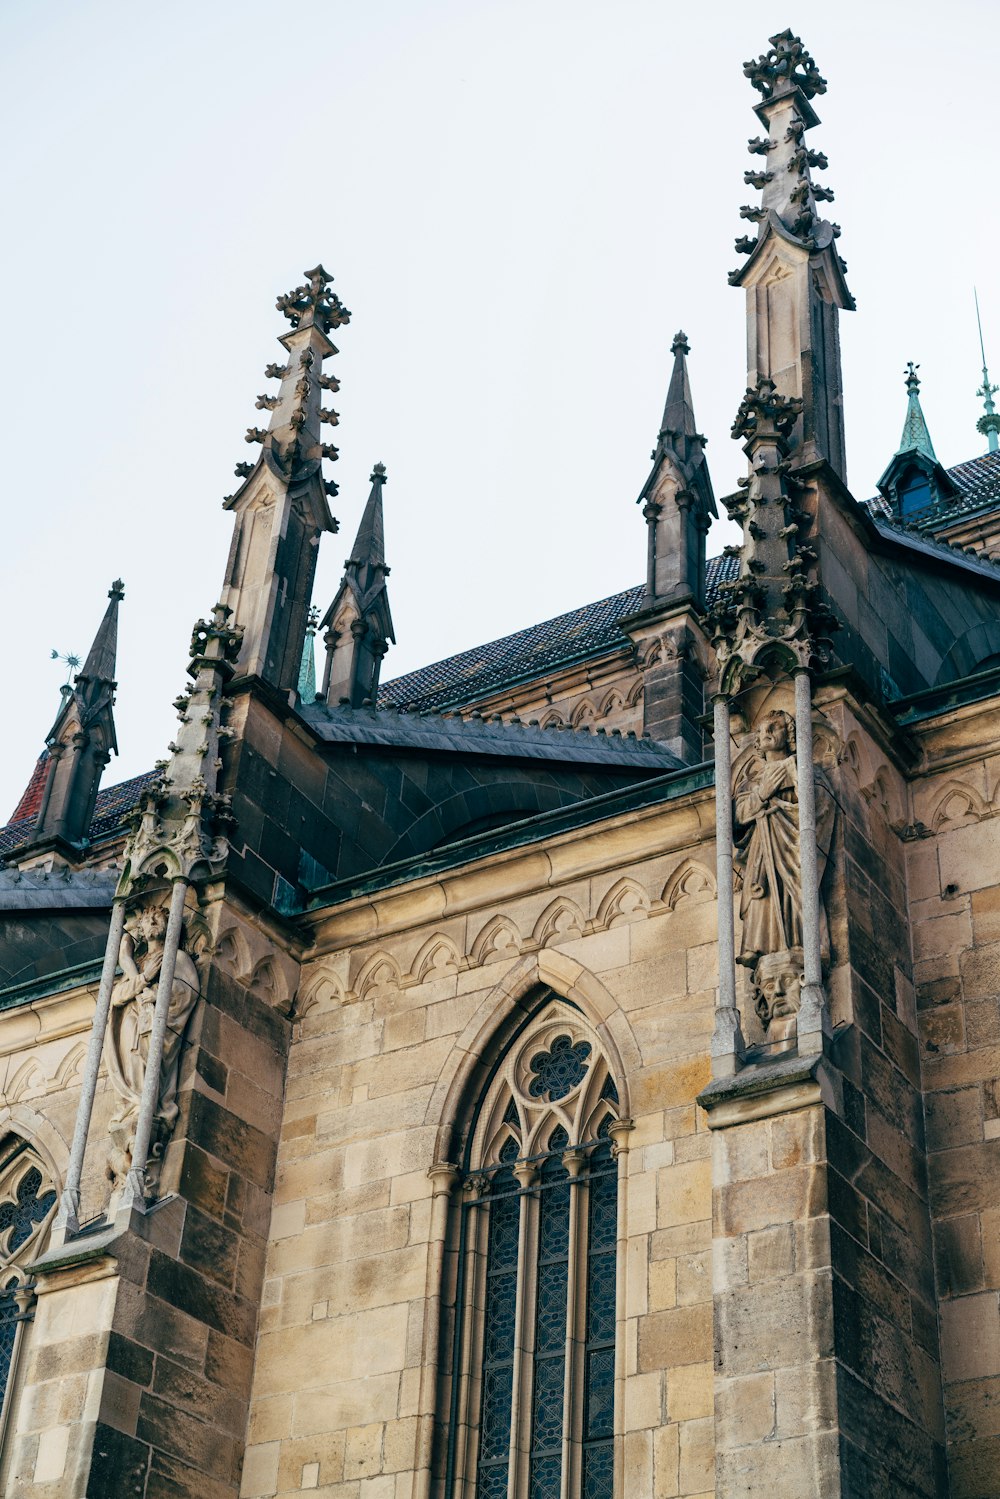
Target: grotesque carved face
(780, 991)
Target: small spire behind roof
(678, 413)
(989, 423)
(358, 624)
(916, 438)
(81, 741)
(307, 671)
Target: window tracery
(27, 1200)
(535, 1330)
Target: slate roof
(428, 730)
(579, 635)
(979, 482)
(113, 804)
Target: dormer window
(913, 492)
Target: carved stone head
(775, 737)
(777, 988)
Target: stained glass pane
(550, 1324)
(599, 1365)
(598, 1474)
(498, 1330)
(559, 1069)
(21, 1217)
(8, 1332)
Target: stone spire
(989, 423)
(82, 739)
(281, 509)
(914, 479)
(793, 277)
(358, 624)
(677, 498)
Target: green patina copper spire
(988, 424)
(307, 670)
(915, 438)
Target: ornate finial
(912, 382)
(71, 662)
(680, 344)
(314, 303)
(784, 67)
(312, 620)
(989, 423)
(117, 590)
(378, 475)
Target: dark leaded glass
(550, 1324)
(599, 1369)
(8, 1332)
(559, 1069)
(510, 1115)
(598, 1472)
(609, 1091)
(498, 1331)
(29, 1209)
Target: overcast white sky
(520, 203)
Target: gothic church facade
(572, 1070)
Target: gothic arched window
(27, 1198)
(533, 1366)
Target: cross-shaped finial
(117, 590)
(378, 474)
(680, 344)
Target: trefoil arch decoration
(534, 1334)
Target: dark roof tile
(581, 634)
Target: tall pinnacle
(82, 739)
(96, 678)
(989, 424)
(678, 413)
(358, 624)
(677, 498)
(792, 333)
(281, 509)
(916, 438)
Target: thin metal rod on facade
(727, 1040)
(812, 1000)
(67, 1219)
(135, 1189)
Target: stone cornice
(626, 838)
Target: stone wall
(344, 1387)
(954, 886)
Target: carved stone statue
(767, 859)
(133, 1000)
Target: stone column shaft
(67, 1219)
(727, 1038)
(812, 1005)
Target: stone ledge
(762, 1089)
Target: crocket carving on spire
(793, 263)
(281, 509)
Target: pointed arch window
(27, 1200)
(534, 1337)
